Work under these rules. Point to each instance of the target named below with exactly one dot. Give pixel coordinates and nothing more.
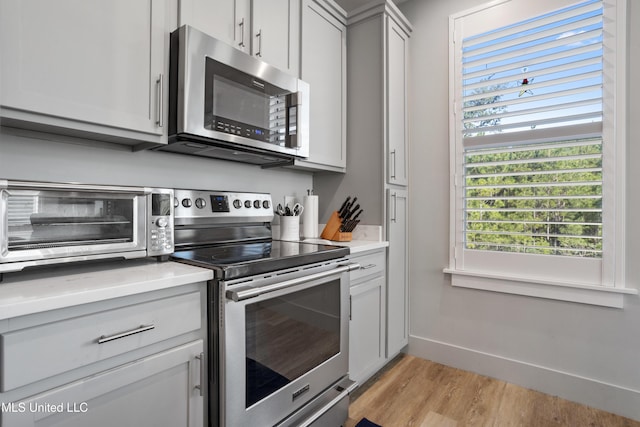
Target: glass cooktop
(231, 261)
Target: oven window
(45, 219)
(287, 337)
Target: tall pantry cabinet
(377, 146)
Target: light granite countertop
(31, 292)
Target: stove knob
(266, 204)
(237, 204)
(256, 204)
(176, 202)
(200, 203)
(186, 203)
(247, 203)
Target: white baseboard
(608, 397)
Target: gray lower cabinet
(397, 283)
(159, 390)
(367, 319)
(132, 361)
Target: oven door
(284, 341)
(42, 223)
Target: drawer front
(32, 354)
(371, 264)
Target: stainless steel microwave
(224, 103)
(43, 223)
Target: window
(537, 149)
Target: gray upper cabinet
(226, 20)
(93, 68)
(275, 36)
(266, 29)
(378, 52)
(323, 65)
(396, 113)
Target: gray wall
(584, 353)
(41, 158)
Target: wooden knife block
(332, 230)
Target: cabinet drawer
(39, 352)
(371, 264)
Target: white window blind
(538, 199)
(537, 147)
(532, 135)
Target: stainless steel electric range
(278, 313)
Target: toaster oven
(43, 223)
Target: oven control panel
(223, 204)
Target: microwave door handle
(292, 122)
(252, 292)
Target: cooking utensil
(297, 209)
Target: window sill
(584, 294)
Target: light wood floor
(417, 392)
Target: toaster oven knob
(186, 203)
(266, 204)
(237, 204)
(161, 222)
(256, 204)
(200, 203)
(247, 203)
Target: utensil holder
(290, 228)
(332, 230)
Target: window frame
(609, 288)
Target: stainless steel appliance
(44, 223)
(227, 104)
(278, 313)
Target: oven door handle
(244, 294)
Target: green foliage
(541, 199)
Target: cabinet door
(397, 283)
(397, 54)
(366, 329)
(160, 390)
(323, 66)
(226, 20)
(84, 62)
(275, 32)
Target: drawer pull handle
(103, 339)
(368, 266)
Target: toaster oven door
(50, 225)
